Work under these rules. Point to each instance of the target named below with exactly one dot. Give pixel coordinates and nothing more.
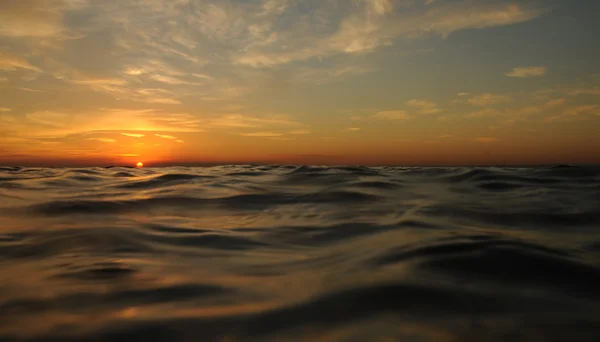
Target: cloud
(324, 75)
(105, 140)
(134, 71)
(527, 72)
(555, 103)
(170, 66)
(2, 109)
(202, 76)
(392, 115)
(262, 134)
(170, 137)
(274, 7)
(372, 24)
(35, 18)
(100, 83)
(247, 121)
(512, 115)
(425, 107)
(164, 52)
(577, 113)
(487, 99)
(31, 90)
(168, 79)
(64, 123)
(536, 109)
(488, 112)
(173, 122)
(352, 129)
(180, 141)
(10, 62)
(134, 89)
(464, 94)
(152, 95)
(588, 91)
(133, 135)
(447, 136)
(487, 140)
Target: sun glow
(140, 164)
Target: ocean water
(286, 253)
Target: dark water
(257, 253)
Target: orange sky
(422, 82)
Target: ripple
(163, 180)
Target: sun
(140, 164)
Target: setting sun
(140, 164)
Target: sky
(374, 82)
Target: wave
(244, 201)
(163, 180)
(280, 252)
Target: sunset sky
(428, 82)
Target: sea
(300, 253)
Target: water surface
(286, 253)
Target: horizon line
(167, 165)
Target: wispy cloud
(488, 112)
(164, 136)
(487, 140)
(248, 121)
(376, 23)
(10, 62)
(36, 18)
(168, 79)
(424, 107)
(260, 68)
(577, 113)
(105, 140)
(134, 71)
(64, 123)
(512, 115)
(133, 135)
(487, 99)
(262, 134)
(31, 90)
(555, 103)
(2, 109)
(320, 75)
(585, 91)
(534, 71)
(392, 115)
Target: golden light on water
(140, 164)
